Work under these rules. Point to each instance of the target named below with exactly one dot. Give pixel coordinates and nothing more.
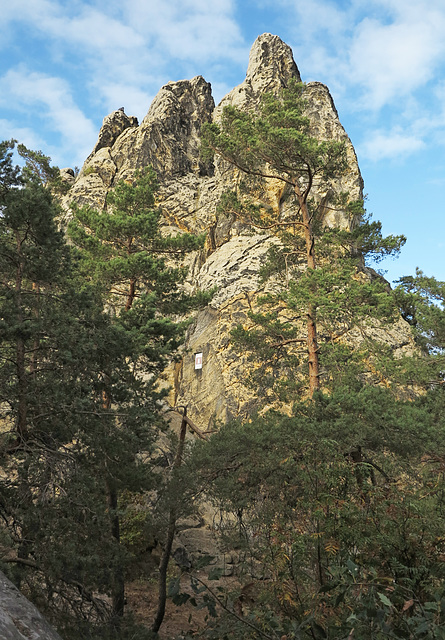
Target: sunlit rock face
(168, 139)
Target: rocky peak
(173, 125)
(270, 58)
(182, 98)
(113, 125)
(271, 66)
(168, 139)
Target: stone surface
(19, 619)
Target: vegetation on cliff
(316, 267)
(336, 509)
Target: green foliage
(89, 170)
(346, 301)
(340, 509)
(133, 266)
(9, 174)
(280, 136)
(321, 292)
(123, 251)
(421, 301)
(38, 169)
(79, 404)
(338, 506)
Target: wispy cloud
(27, 136)
(109, 54)
(378, 57)
(136, 40)
(388, 145)
(386, 49)
(189, 29)
(51, 99)
(391, 61)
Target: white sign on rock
(198, 360)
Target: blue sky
(65, 65)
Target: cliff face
(168, 139)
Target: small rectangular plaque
(198, 360)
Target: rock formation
(168, 139)
(19, 619)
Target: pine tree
(123, 249)
(340, 505)
(324, 285)
(60, 445)
(133, 266)
(421, 300)
(336, 513)
(336, 499)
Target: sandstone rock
(271, 66)
(67, 175)
(193, 544)
(88, 190)
(19, 619)
(234, 267)
(168, 138)
(112, 126)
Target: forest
(331, 495)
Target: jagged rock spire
(271, 59)
(168, 138)
(271, 66)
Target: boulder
(19, 619)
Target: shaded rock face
(19, 619)
(168, 139)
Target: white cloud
(128, 50)
(135, 101)
(391, 61)
(376, 56)
(383, 49)
(53, 104)
(189, 29)
(381, 145)
(23, 135)
(111, 53)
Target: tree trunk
(131, 294)
(118, 583)
(171, 530)
(311, 313)
(118, 586)
(22, 409)
(36, 313)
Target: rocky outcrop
(271, 66)
(19, 619)
(168, 138)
